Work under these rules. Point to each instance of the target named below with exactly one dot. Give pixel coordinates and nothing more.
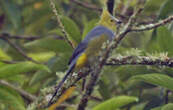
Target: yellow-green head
(108, 20)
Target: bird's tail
(61, 83)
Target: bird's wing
(96, 32)
(80, 48)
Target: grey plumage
(96, 32)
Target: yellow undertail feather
(81, 62)
(65, 96)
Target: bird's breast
(91, 52)
(95, 45)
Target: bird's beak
(116, 20)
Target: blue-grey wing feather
(80, 48)
(96, 32)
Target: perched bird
(91, 45)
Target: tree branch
(66, 36)
(9, 62)
(140, 60)
(87, 5)
(27, 95)
(18, 49)
(30, 38)
(152, 26)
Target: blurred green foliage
(141, 86)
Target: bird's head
(109, 21)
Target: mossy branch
(66, 35)
(152, 25)
(140, 60)
(25, 94)
(18, 49)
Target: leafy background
(126, 87)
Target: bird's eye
(111, 20)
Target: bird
(90, 46)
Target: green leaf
(2, 64)
(55, 64)
(139, 106)
(162, 42)
(115, 103)
(37, 26)
(157, 108)
(11, 99)
(168, 106)
(166, 9)
(56, 31)
(104, 89)
(49, 44)
(42, 56)
(23, 67)
(59, 63)
(3, 55)
(165, 40)
(156, 79)
(18, 79)
(153, 5)
(12, 11)
(34, 88)
(38, 77)
(125, 72)
(71, 28)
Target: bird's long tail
(61, 83)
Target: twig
(27, 95)
(140, 60)
(98, 99)
(89, 88)
(125, 8)
(65, 105)
(87, 5)
(18, 49)
(30, 38)
(9, 62)
(66, 36)
(152, 26)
